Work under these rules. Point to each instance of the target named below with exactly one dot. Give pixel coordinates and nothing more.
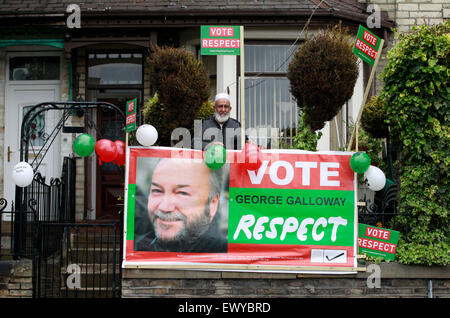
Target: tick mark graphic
(330, 259)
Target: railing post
(20, 224)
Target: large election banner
(295, 213)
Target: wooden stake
(366, 93)
(242, 87)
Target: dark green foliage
(182, 84)
(206, 110)
(373, 118)
(416, 94)
(305, 139)
(322, 75)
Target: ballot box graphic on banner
(296, 213)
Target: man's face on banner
(178, 204)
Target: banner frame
(224, 267)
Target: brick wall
(16, 279)
(79, 121)
(396, 281)
(405, 14)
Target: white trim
(9, 85)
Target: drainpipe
(430, 289)
(70, 80)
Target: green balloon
(360, 162)
(215, 157)
(84, 145)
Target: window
(34, 68)
(115, 69)
(268, 101)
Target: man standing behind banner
(183, 208)
(220, 128)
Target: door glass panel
(109, 122)
(34, 68)
(115, 69)
(36, 129)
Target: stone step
(95, 269)
(94, 241)
(97, 255)
(97, 292)
(90, 293)
(91, 276)
(91, 280)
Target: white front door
(19, 99)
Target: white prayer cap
(223, 95)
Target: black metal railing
(380, 211)
(8, 231)
(39, 202)
(78, 260)
(54, 202)
(40, 223)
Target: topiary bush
(322, 75)
(181, 83)
(416, 94)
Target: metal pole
(242, 64)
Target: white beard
(221, 119)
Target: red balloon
(252, 157)
(106, 150)
(120, 145)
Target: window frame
(114, 86)
(11, 54)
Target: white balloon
(376, 180)
(146, 135)
(22, 174)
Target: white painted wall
(354, 103)
(324, 142)
(226, 77)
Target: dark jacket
(229, 134)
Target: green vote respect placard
(366, 46)
(220, 40)
(377, 242)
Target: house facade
(46, 56)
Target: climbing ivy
(305, 139)
(416, 95)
